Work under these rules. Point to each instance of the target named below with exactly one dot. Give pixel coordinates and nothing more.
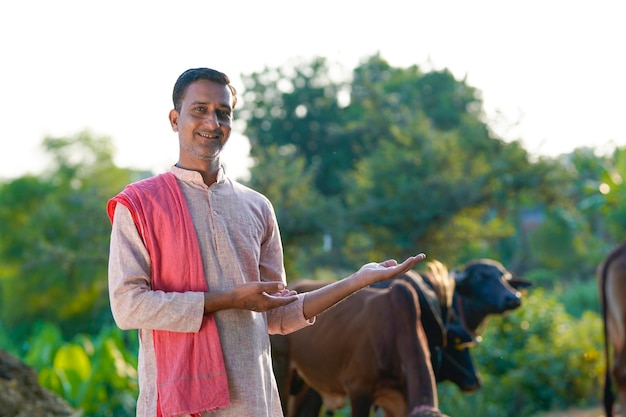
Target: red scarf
(191, 377)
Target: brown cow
(376, 362)
(483, 287)
(611, 276)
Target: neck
(208, 171)
(462, 307)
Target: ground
(22, 396)
(590, 412)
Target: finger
(272, 287)
(419, 257)
(284, 293)
(409, 263)
(284, 300)
(389, 262)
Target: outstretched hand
(375, 272)
(319, 300)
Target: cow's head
(485, 287)
(456, 364)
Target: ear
(519, 283)
(174, 120)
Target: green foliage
(613, 190)
(579, 297)
(424, 194)
(536, 358)
(564, 243)
(298, 106)
(94, 374)
(409, 157)
(42, 343)
(445, 100)
(55, 237)
(304, 216)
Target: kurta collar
(194, 177)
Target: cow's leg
(282, 371)
(619, 375)
(414, 351)
(309, 403)
(305, 403)
(360, 405)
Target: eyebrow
(205, 103)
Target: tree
(613, 190)
(304, 215)
(409, 158)
(54, 245)
(586, 221)
(297, 106)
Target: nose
(211, 120)
(513, 300)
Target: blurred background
(460, 129)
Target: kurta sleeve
(289, 318)
(133, 303)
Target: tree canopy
(405, 158)
(385, 163)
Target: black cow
(448, 342)
(456, 364)
(484, 287)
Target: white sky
(551, 72)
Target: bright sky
(551, 73)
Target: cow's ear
(519, 283)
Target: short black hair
(195, 74)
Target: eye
(223, 114)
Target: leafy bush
(536, 358)
(579, 297)
(94, 374)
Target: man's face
(203, 122)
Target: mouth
(209, 135)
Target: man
(196, 264)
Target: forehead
(206, 91)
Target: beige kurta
(240, 242)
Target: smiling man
(196, 265)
